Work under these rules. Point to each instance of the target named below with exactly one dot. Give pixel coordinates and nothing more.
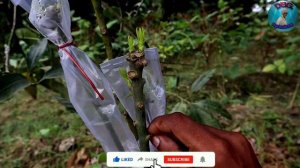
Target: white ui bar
(161, 159)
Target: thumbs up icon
(155, 165)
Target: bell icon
(202, 159)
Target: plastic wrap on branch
(153, 89)
(25, 4)
(89, 91)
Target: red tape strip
(63, 47)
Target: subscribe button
(178, 159)
(161, 159)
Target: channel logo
(283, 16)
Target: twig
(137, 62)
(7, 46)
(179, 97)
(135, 74)
(291, 104)
(103, 29)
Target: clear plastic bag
(89, 91)
(25, 4)
(154, 85)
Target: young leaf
(10, 83)
(36, 52)
(202, 80)
(130, 44)
(123, 74)
(140, 33)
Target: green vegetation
(222, 66)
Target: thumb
(164, 143)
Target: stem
(137, 62)
(179, 97)
(291, 104)
(7, 46)
(103, 29)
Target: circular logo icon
(283, 16)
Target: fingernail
(155, 141)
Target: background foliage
(223, 65)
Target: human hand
(155, 165)
(176, 132)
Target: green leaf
(102, 157)
(278, 62)
(10, 83)
(222, 4)
(180, 107)
(269, 68)
(140, 33)
(213, 107)
(198, 114)
(232, 72)
(25, 33)
(211, 15)
(45, 132)
(36, 52)
(202, 80)
(111, 23)
(282, 68)
(171, 82)
(54, 72)
(124, 75)
(130, 44)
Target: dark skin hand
(177, 132)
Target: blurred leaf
(124, 75)
(213, 107)
(269, 68)
(202, 80)
(111, 23)
(232, 72)
(180, 107)
(25, 33)
(55, 86)
(54, 72)
(102, 157)
(45, 132)
(222, 4)
(172, 82)
(282, 68)
(36, 52)
(66, 102)
(10, 83)
(211, 15)
(198, 114)
(278, 62)
(293, 58)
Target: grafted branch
(103, 29)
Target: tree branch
(103, 29)
(7, 46)
(137, 62)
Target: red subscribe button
(178, 159)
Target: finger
(178, 125)
(154, 162)
(165, 143)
